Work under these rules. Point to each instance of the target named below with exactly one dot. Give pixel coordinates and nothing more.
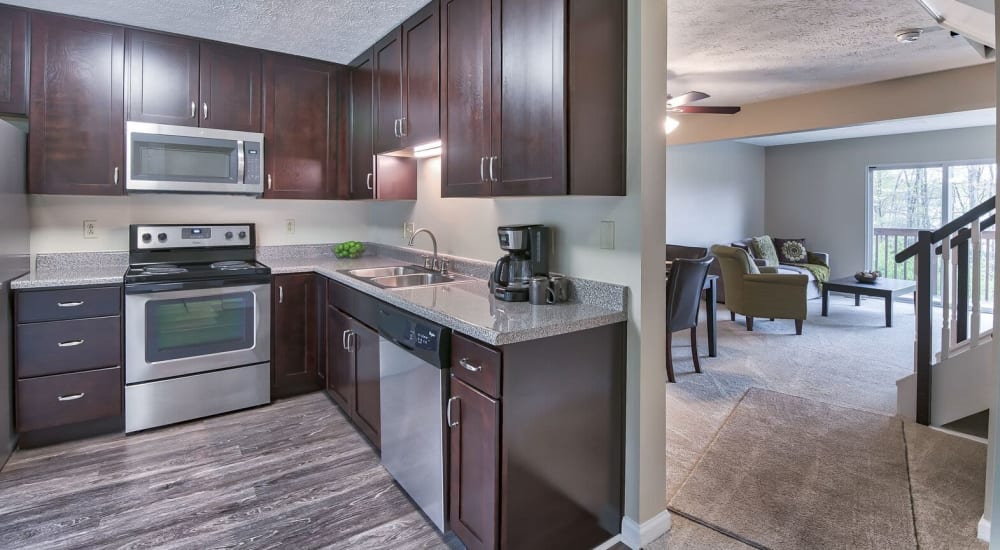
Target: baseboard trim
(610, 543)
(637, 536)
(983, 529)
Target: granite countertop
(465, 307)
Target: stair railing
(960, 241)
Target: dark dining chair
(684, 288)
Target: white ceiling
(948, 121)
(332, 30)
(745, 51)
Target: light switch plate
(89, 229)
(608, 235)
(290, 227)
(407, 230)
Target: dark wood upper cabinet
(301, 114)
(76, 143)
(13, 61)
(295, 330)
(552, 101)
(362, 171)
(388, 86)
(230, 87)
(163, 78)
(421, 35)
(466, 97)
(474, 456)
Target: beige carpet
(787, 472)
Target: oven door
(179, 332)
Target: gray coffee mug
(539, 291)
(560, 287)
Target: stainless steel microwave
(180, 159)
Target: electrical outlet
(89, 229)
(407, 230)
(290, 227)
(608, 235)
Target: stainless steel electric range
(198, 323)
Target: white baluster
(946, 314)
(977, 268)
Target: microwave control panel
(253, 163)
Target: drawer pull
(71, 397)
(469, 366)
(71, 343)
(70, 304)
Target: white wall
(819, 191)
(715, 193)
(57, 220)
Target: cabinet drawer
(73, 303)
(63, 399)
(68, 346)
(476, 364)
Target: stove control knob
(229, 235)
(243, 234)
(146, 237)
(162, 237)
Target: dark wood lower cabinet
(474, 457)
(367, 413)
(294, 334)
(50, 401)
(339, 361)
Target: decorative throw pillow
(791, 251)
(763, 248)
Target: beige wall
(950, 91)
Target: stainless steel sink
(404, 276)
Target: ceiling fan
(682, 104)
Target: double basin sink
(404, 276)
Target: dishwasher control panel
(429, 341)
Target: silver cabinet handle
(351, 338)
(402, 127)
(343, 339)
(116, 175)
(450, 423)
(269, 181)
(493, 176)
(194, 109)
(395, 128)
(70, 304)
(71, 343)
(281, 294)
(469, 366)
(368, 181)
(204, 110)
(71, 397)
(482, 168)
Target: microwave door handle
(240, 162)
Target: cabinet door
(366, 356)
(13, 61)
(230, 87)
(339, 360)
(466, 101)
(163, 79)
(77, 138)
(300, 121)
(362, 177)
(474, 482)
(529, 131)
(293, 346)
(422, 77)
(321, 332)
(388, 82)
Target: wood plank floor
(294, 474)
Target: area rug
(787, 472)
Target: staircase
(954, 375)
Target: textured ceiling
(333, 30)
(745, 51)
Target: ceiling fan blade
(706, 110)
(685, 99)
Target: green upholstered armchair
(760, 292)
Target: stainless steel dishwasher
(413, 372)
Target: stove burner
(231, 265)
(163, 269)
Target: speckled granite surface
(74, 269)
(465, 307)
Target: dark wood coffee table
(887, 289)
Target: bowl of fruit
(349, 249)
(868, 277)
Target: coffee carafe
(527, 248)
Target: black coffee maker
(527, 249)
